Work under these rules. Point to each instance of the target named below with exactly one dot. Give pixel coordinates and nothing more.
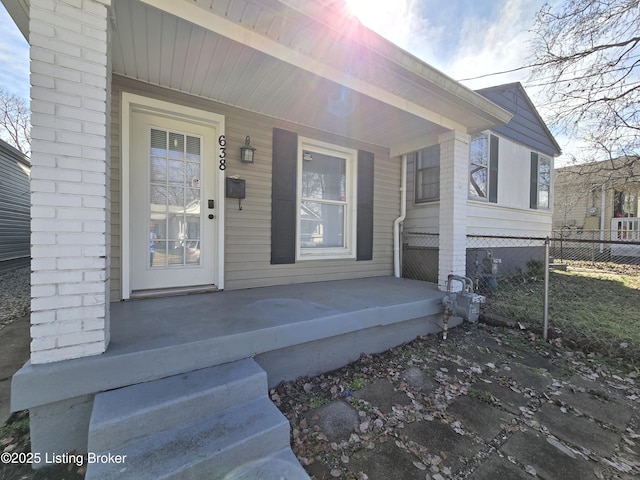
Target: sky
(462, 38)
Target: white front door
(173, 210)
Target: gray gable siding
(526, 126)
(15, 226)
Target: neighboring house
(15, 220)
(507, 181)
(140, 109)
(599, 200)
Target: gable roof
(526, 126)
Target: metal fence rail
(585, 285)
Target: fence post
(546, 291)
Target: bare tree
(15, 121)
(586, 57)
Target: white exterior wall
(454, 185)
(511, 215)
(70, 74)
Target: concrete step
(211, 447)
(281, 465)
(131, 413)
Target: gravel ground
(15, 293)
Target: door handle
(211, 216)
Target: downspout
(396, 223)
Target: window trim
(545, 159)
(350, 222)
(416, 158)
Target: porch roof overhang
(310, 63)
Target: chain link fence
(592, 290)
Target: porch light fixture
(247, 151)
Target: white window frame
(350, 221)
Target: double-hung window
(483, 167)
(427, 167)
(326, 199)
(540, 191)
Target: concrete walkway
(473, 407)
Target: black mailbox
(235, 187)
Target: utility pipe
(603, 205)
(397, 241)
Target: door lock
(211, 216)
(211, 203)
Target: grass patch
(358, 383)
(594, 306)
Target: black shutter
(493, 169)
(365, 206)
(533, 192)
(283, 196)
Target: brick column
(454, 188)
(70, 209)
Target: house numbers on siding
(222, 141)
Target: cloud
(14, 57)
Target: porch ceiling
(292, 62)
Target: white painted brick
(43, 290)
(81, 288)
(40, 54)
(95, 214)
(44, 263)
(94, 300)
(42, 186)
(93, 177)
(55, 72)
(94, 251)
(95, 202)
(82, 163)
(95, 227)
(81, 114)
(80, 338)
(54, 251)
(42, 81)
(51, 173)
(42, 212)
(52, 303)
(93, 324)
(53, 225)
(79, 65)
(39, 28)
(80, 189)
(67, 353)
(81, 314)
(80, 238)
(43, 343)
(43, 317)
(56, 200)
(38, 106)
(54, 329)
(49, 121)
(92, 153)
(53, 96)
(55, 277)
(73, 88)
(95, 276)
(80, 263)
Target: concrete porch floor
(309, 324)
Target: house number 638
(222, 141)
